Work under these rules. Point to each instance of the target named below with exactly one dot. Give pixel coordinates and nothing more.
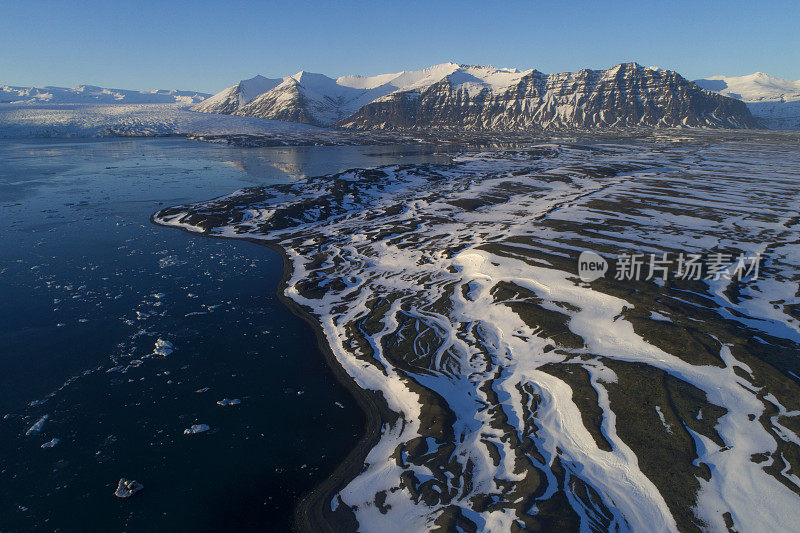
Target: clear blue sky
(208, 46)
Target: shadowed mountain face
(459, 97)
(624, 96)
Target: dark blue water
(87, 287)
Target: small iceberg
(127, 488)
(51, 443)
(225, 402)
(37, 427)
(168, 261)
(197, 428)
(163, 348)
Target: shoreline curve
(311, 512)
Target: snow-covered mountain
(626, 95)
(773, 100)
(320, 100)
(312, 99)
(758, 87)
(91, 94)
(452, 96)
(229, 100)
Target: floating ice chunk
(37, 427)
(127, 488)
(163, 348)
(158, 295)
(51, 443)
(168, 261)
(197, 428)
(204, 389)
(337, 404)
(225, 402)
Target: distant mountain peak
(756, 87)
(774, 101)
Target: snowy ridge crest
(474, 97)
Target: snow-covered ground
(99, 120)
(525, 397)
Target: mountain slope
(623, 96)
(229, 100)
(773, 100)
(311, 99)
(320, 100)
(91, 94)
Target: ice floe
(196, 428)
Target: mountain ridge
(626, 95)
(454, 96)
(84, 94)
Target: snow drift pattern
(526, 399)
